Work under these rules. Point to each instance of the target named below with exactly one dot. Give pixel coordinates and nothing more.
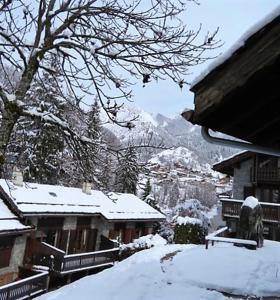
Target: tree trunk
(9, 118)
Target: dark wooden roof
(227, 165)
(241, 97)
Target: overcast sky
(233, 17)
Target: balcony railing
(25, 288)
(231, 209)
(265, 175)
(76, 262)
(57, 261)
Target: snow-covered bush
(144, 242)
(189, 231)
(194, 209)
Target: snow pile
(183, 272)
(145, 242)
(188, 220)
(251, 202)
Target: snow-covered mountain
(168, 132)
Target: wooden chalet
(239, 96)
(13, 234)
(15, 281)
(74, 229)
(258, 175)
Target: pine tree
(147, 189)
(39, 153)
(107, 177)
(94, 127)
(90, 161)
(127, 172)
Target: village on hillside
(101, 199)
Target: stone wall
(242, 179)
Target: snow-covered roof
(8, 220)
(34, 198)
(226, 165)
(238, 44)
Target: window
(269, 194)
(81, 240)
(6, 246)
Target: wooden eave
(241, 97)
(10, 203)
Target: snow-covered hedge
(189, 231)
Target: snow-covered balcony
(25, 288)
(60, 263)
(231, 209)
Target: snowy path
(183, 272)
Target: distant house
(13, 235)
(257, 175)
(73, 229)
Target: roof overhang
(227, 165)
(241, 96)
(16, 231)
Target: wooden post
(212, 243)
(206, 244)
(48, 283)
(69, 279)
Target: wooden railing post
(8, 294)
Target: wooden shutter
(72, 241)
(127, 236)
(248, 191)
(91, 242)
(6, 246)
(63, 240)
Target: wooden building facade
(253, 175)
(65, 230)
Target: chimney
(86, 188)
(17, 178)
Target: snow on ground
(183, 272)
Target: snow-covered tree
(94, 122)
(127, 172)
(148, 197)
(102, 48)
(147, 189)
(37, 145)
